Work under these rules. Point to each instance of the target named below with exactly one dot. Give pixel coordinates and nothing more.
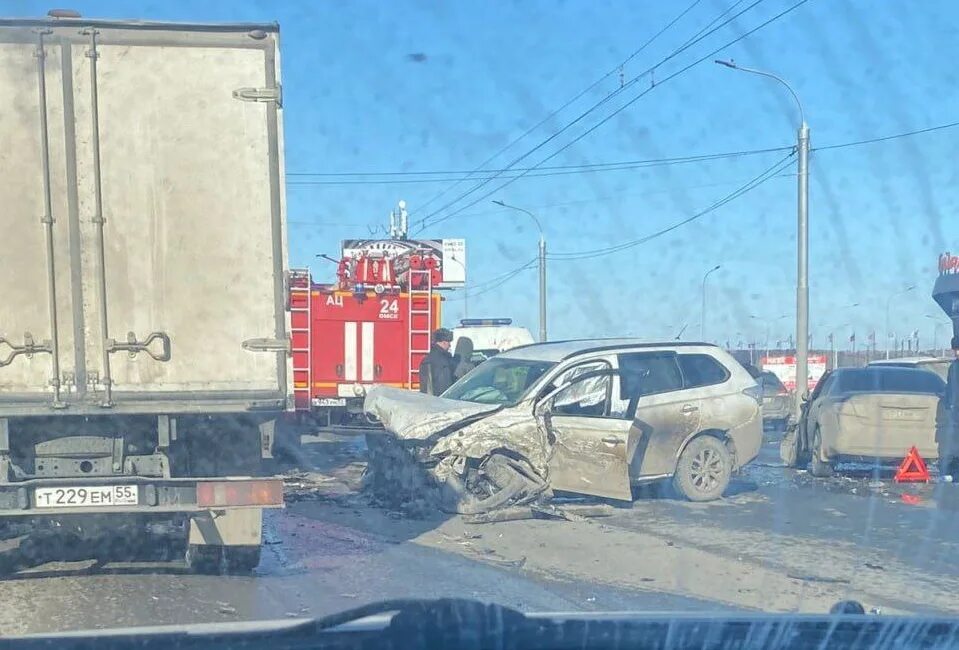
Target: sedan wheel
(703, 470)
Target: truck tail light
(239, 493)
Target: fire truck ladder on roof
(420, 313)
(301, 302)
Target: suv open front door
(590, 445)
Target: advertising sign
(946, 290)
(784, 367)
(448, 254)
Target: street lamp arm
(542, 266)
(532, 216)
(763, 73)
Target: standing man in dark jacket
(949, 429)
(436, 370)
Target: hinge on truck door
(260, 95)
(267, 345)
(28, 348)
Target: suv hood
(409, 415)
(459, 429)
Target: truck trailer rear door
(168, 225)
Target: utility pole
(702, 325)
(542, 288)
(802, 269)
(936, 324)
(542, 267)
(802, 239)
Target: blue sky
(411, 86)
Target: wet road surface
(779, 540)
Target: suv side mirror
(543, 406)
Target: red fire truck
(371, 326)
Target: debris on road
(821, 579)
(569, 513)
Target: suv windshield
(498, 381)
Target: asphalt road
(779, 540)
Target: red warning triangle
(913, 468)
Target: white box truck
(143, 328)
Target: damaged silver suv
(591, 417)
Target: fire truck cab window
(498, 381)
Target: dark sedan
(872, 413)
(777, 401)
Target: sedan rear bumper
(862, 442)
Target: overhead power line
(668, 160)
(498, 281)
(628, 164)
(750, 185)
(494, 283)
(566, 105)
(559, 170)
(795, 6)
(884, 138)
(422, 222)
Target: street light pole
(888, 302)
(802, 269)
(466, 291)
(542, 267)
(702, 325)
(936, 324)
(768, 322)
(542, 288)
(802, 238)
(832, 343)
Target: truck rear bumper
(154, 495)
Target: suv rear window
(701, 370)
(770, 383)
(890, 379)
(649, 373)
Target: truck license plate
(86, 497)
(329, 401)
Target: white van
(491, 336)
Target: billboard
(448, 254)
(784, 367)
(946, 290)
